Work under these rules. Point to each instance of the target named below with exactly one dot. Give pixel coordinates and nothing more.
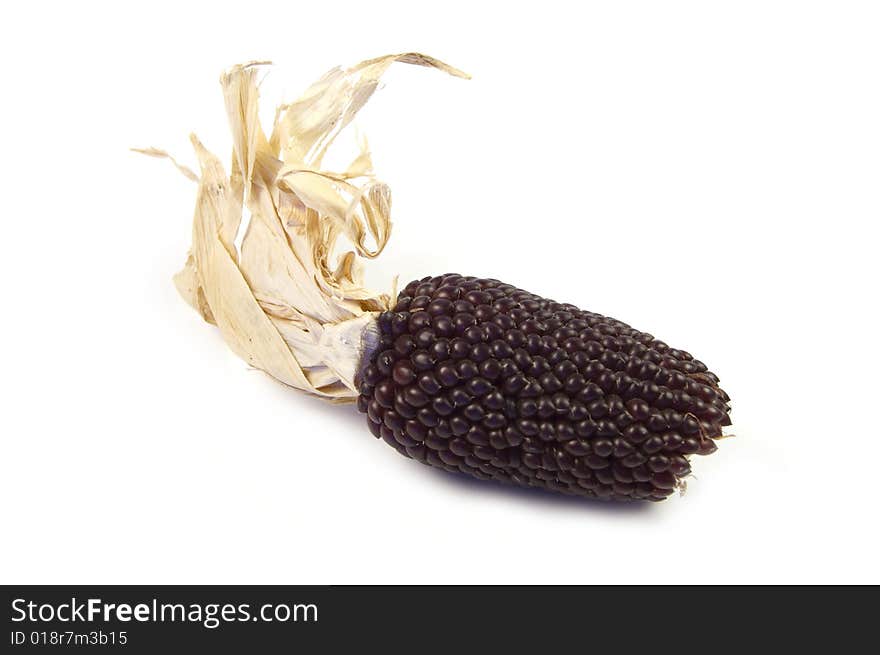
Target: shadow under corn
(537, 497)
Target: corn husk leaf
(285, 302)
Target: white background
(708, 172)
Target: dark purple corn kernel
(479, 377)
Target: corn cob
(468, 375)
(477, 376)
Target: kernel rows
(478, 377)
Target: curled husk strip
(284, 301)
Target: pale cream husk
(284, 302)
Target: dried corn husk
(283, 302)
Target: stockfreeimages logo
(209, 615)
